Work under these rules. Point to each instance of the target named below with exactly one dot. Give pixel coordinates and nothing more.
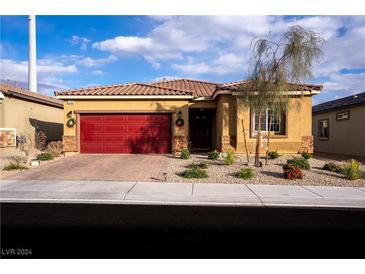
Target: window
(323, 129)
(277, 122)
(345, 115)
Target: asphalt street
(150, 231)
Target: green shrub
(15, 166)
(191, 173)
(299, 162)
(351, 170)
(244, 173)
(332, 167)
(230, 158)
(307, 155)
(200, 165)
(213, 155)
(45, 156)
(273, 154)
(185, 154)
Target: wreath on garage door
(179, 122)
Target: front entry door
(201, 121)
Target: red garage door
(125, 133)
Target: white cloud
(18, 71)
(178, 37)
(97, 72)
(48, 72)
(344, 81)
(164, 78)
(91, 62)
(193, 69)
(83, 42)
(225, 63)
(145, 47)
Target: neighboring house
(23, 112)
(167, 116)
(339, 126)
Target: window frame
(343, 112)
(319, 129)
(283, 118)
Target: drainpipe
(32, 57)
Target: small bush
(351, 170)
(15, 166)
(291, 172)
(332, 167)
(230, 158)
(45, 156)
(191, 173)
(299, 162)
(185, 154)
(200, 165)
(244, 173)
(55, 148)
(213, 155)
(273, 154)
(307, 155)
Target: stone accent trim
(306, 145)
(7, 137)
(179, 143)
(69, 143)
(224, 143)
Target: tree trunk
(258, 142)
(244, 138)
(268, 143)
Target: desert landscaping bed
(272, 173)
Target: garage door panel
(125, 133)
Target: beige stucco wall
(298, 124)
(135, 106)
(229, 113)
(345, 137)
(25, 115)
(226, 122)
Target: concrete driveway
(103, 167)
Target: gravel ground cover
(272, 173)
(6, 160)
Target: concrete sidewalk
(112, 192)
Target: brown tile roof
(17, 92)
(247, 85)
(136, 89)
(177, 87)
(199, 88)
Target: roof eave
(337, 108)
(125, 97)
(32, 98)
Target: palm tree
(274, 66)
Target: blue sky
(81, 51)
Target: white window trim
(266, 122)
(321, 129)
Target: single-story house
(23, 112)
(339, 126)
(167, 116)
